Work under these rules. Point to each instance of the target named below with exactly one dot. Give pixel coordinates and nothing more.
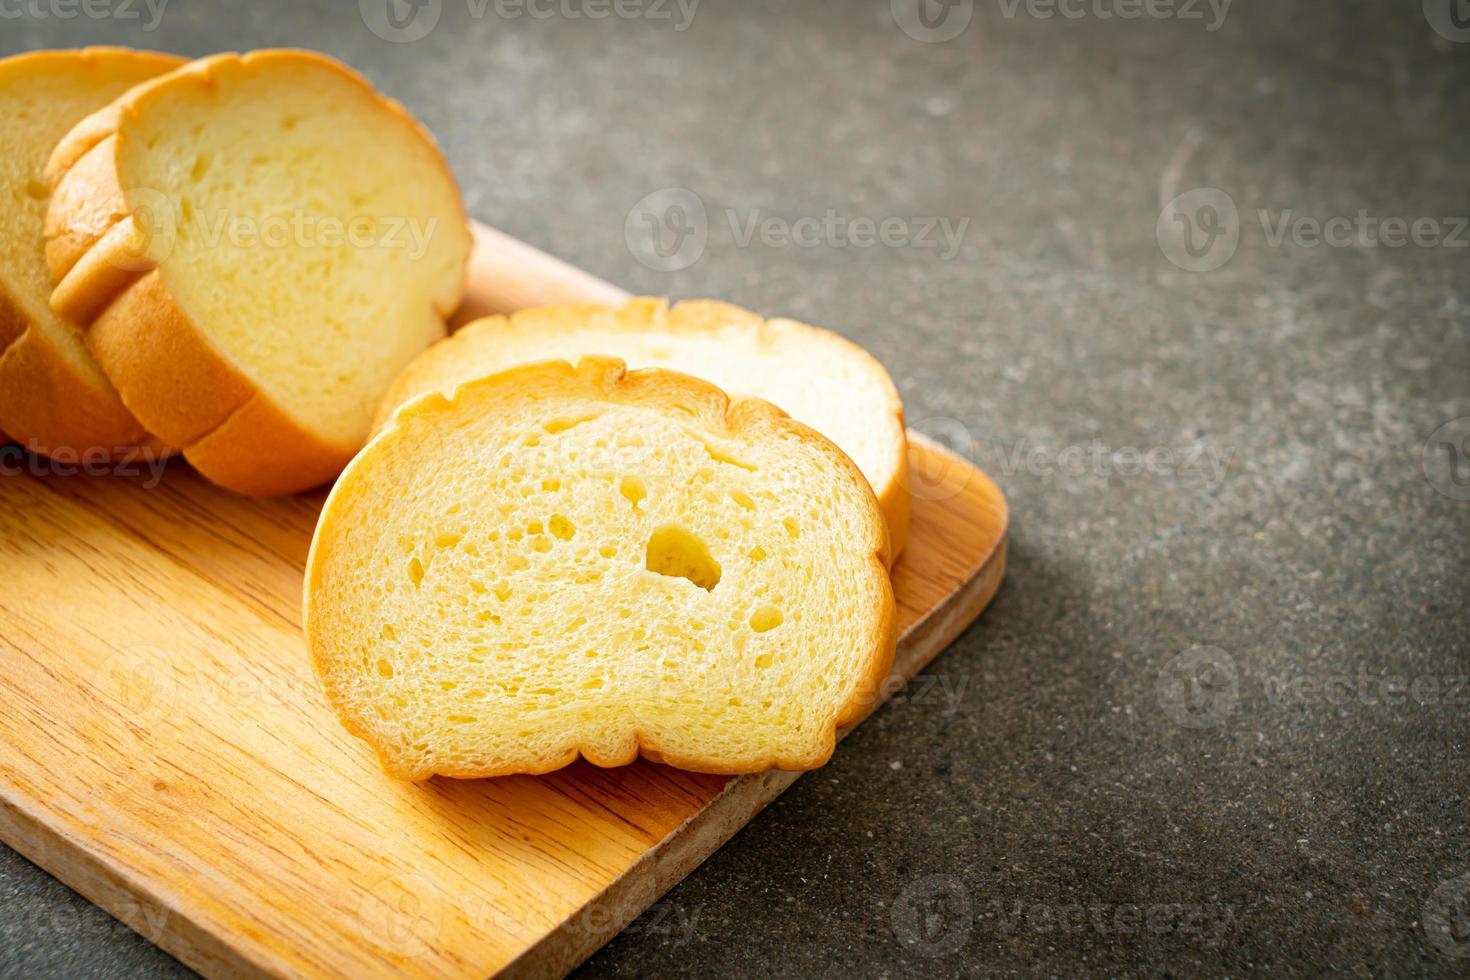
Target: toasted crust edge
(52, 409)
(643, 313)
(610, 378)
(167, 371)
(48, 406)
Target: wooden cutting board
(165, 751)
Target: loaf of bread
(560, 560)
(827, 382)
(54, 398)
(255, 246)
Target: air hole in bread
(562, 425)
(633, 489)
(416, 572)
(743, 499)
(677, 553)
(766, 618)
(723, 457)
(561, 527)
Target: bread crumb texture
(816, 376)
(561, 560)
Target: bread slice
(53, 396)
(561, 560)
(255, 246)
(827, 382)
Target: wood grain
(164, 748)
(507, 275)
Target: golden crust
(49, 402)
(54, 408)
(433, 369)
(608, 379)
(168, 371)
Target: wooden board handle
(507, 275)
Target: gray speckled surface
(1216, 721)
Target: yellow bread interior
(816, 376)
(559, 560)
(42, 95)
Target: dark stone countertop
(1216, 721)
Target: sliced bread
(255, 246)
(54, 398)
(827, 382)
(561, 560)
